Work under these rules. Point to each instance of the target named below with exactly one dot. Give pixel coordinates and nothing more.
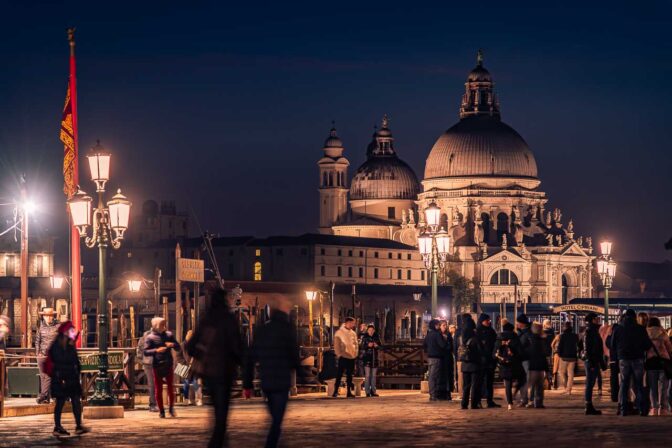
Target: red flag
(70, 181)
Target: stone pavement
(396, 419)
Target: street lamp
(311, 295)
(57, 281)
(606, 268)
(109, 222)
(134, 285)
(434, 246)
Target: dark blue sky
(224, 107)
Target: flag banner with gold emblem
(69, 148)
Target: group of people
(530, 357)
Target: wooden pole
(24, 266)
(132, 317)
(178, 295)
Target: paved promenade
(396, 419)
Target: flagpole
(75, 255)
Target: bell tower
(333, 180)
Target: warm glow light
(443, 313)
(29, 207)
(605, 248)
(80, 211)
(611, 269)
(120, 212)
(602, 266)
(311, 294)
(425, 244)
(99, 165)
(134, 285)
(443, 242)
(56, 281)
(432, 215)
(417, 296)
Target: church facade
(505, 238)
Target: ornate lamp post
(109, 224)
(434, 246)
(606, 268)
(311, 295)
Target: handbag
(182, 370)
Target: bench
(358, 381)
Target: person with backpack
(63, 367)
(435, 347)
(471, 355)
(507, 354)
(568, 352)
(658, 355)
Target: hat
(483, 317)
(47, 312)
(65, 327)
(630, 313)
(590, 317)
(522, 319)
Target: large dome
(384, 178)
(480, 145)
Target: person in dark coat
(159, 345)
(631, 342)
(276, 350)
(614, 373)
(568, 352)
(65, 377)
(523, 330)
(488, 336)
(447, 382)
(435, 347)
(507, 355)
(216, 349)
(43, 339)
(472, 357)
(593, 359)
(548, 334)
(369, 346)
(537, 358)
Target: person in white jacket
(346, 348)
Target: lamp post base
(100, 412)
(102, 396)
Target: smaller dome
(479, 74)
(384, 177)
(333, 141)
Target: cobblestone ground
(396, 419)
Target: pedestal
(100, 412)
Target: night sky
(224, 108)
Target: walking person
(487, 337)
(568, 352)
(159, 344)
(471, 355)
(149, 371)
(347, 349)
(434, 346)
(593, 358)
(447, 382)
(614, 370)
(507, 354)
(537, 356)
(523, 330)
(65, 377)
(659, 353)
(276, 350)
(43, 339)
(369, 348)
(216, 350)
(631, 342)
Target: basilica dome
(480, 145)
(384, 175)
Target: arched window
(565, 288)
(504, 277)
(443, 221)
(502, 225)
(324, 179)
(257, 271)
